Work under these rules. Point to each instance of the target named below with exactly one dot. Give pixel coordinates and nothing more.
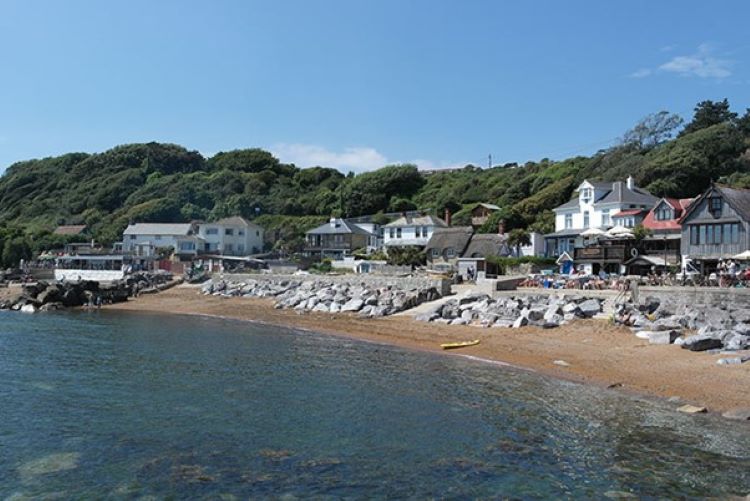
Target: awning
(646, 260)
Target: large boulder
(701, 343)
(663, 337)
(354, 304)
(590, 307)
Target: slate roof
(456, 237)
(234, 221)
(616, 192)
(341, 226)
(738, 199)
(70, 229)
(620, 193)
(427, 220)
(179, 229)
(487, 244)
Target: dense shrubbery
(166, 182)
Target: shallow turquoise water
(120, 405)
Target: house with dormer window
(408, 231)
(716, 226)
(596, 205)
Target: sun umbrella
(743, 256)
(592, 232)
(620, 231)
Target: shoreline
(598, 353)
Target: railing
(327, 245)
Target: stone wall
(93, 275)
(442, 285)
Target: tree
(743, 123)
(640, 232)
(518, 238)
(652, 130)
(708, 113)
(406, 256)
(14, 250)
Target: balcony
(318, 246)
(603, 253)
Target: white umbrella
(620, 231)
(742, 256)
(592, 232)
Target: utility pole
(489, 161)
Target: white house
(143, 239)
(594, 207)
(231, 236)
(411, 231)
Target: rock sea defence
(515, 311)
(325, 296)
(719, 326)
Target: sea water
(120, 405)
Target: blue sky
(357, 84)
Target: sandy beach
(597, 352)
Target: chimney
(630, 183)
(501, 227)
(332, 222)
(447, 216)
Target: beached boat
(460, 344)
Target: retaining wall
(95, 275)
(442, 285)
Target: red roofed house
(665, 222)
(629, 218)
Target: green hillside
(166, 182)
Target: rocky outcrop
(44, 296)
(324, 296)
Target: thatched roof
(488, 244)
(455, 237)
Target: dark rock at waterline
(701, 343)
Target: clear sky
(356, 84)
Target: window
(585, 219)
(228, 248)
(735, 232)
(450, 252)
(424, 231)
(187, 246)
(133, 237)
(212, 231)
(417, 232)
(663, 213)
(435, 253)
(568, 221)
(694, 235)
(398, 232)
(240, 248)
(257, 233)
(157, 237)
(606, 221)
(586, 195)
(241, 233)
(714, 206)
(229, 232)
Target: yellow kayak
(462, 344)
